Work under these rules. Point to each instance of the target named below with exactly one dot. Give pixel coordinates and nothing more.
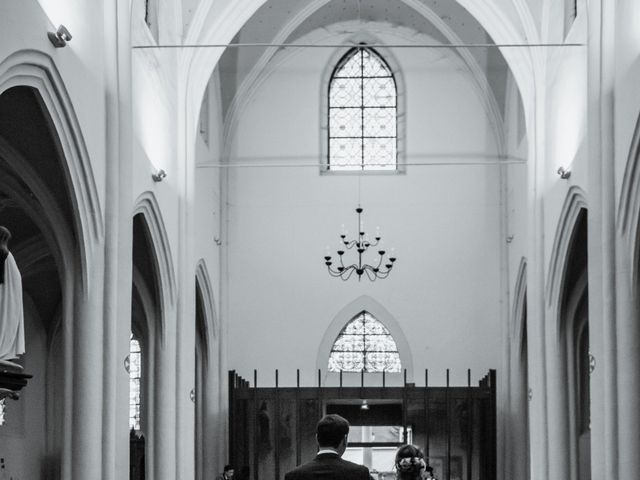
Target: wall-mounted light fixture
(60, 37)
(564, 174)
(159, 175)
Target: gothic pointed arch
(203, 284)
(382, 106)
(519, 455)
(48, 199)
(147, 206)
(574, 206)
(573, 346)
(381, 314)
(519, 306)
(36, 70)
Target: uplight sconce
(159, 175)
(60, 37)
(564, 174)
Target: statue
(11, 310)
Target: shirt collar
(322, 452)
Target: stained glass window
(362, 113)
(364, 344)
(135, 375)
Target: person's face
(230, 473)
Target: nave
(179, 178)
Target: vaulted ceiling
(432, 22)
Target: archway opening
(36, 206)
(574, 331)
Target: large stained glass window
(364, 344)
(135, 375)
(362, 113)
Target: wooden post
(469, 425)
(298, 430)
(448, 410)
(232, 420)
(426, 411)
(254, 416)
(276, 430)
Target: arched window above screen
(363, 108)
(364, 344)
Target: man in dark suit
(331, 435)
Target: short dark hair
(227, 468)
(331, 429)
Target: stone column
(164, 412)
(186, 332)
(536, 328)
(118, 240)
(602, 248)
(86, 438)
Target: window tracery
(362, 113)
(364, 344)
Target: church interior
(230, 217)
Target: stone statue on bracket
(11, 310)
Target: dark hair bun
(409, 462)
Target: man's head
(228, 471)
(331, 432)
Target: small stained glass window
(362, 113)
(365, 344)
(135, 375)
(2, 411)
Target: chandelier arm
(371, 275)
(350, 244)
(333, 273)
(346, 277)
(383, 274)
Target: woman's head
(410, 462)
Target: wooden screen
(272, 429)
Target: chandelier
(361, 243)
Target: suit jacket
(328, 466)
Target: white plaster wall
(25, 25)
(566, 114)
(444, 222)
(208, 206)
